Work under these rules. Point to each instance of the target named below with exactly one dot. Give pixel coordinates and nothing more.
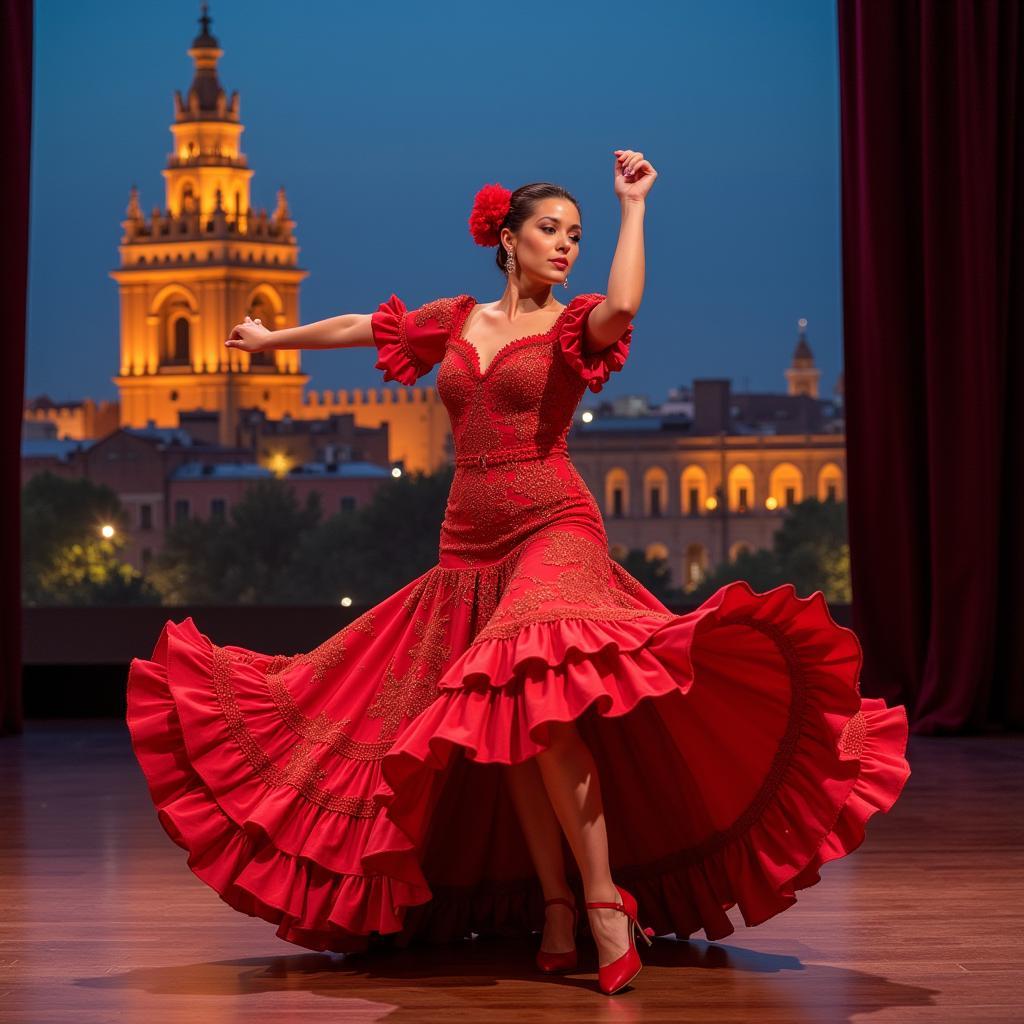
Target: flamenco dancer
(523, 732)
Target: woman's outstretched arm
(634, 177)
(349, 330)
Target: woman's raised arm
(350, 330)
(634, 177)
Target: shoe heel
(619, 973)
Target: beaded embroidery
(403, 695)
(525, 397)
(406, 695)
(440, 310)
(581, 589)
(323, 729)
(851, 739)
(302, 771)
(326, 655)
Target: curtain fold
(931, 95)
(14, 180)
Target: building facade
(196, 265)
(710, 474)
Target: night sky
(382, 120)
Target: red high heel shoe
(621, 972)
(551, 963)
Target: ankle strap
(613, 906)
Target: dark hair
(521, 206)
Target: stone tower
(190, 272)
(803, 376)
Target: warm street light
(107, 530)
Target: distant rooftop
(351, 470)
(167, 435)
(50, 447)
(254, 471)
(622, 424)
(220, 471)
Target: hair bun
(490, 207)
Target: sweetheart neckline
(458, 335)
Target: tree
(65, 558)
(653, 573)
(244, 561)
(273, 551)
(809, 550)
(370, 553)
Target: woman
(414, 775)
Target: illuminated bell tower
(803, 376)
(188, 274)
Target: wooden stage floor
(102, 920)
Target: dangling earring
(510, 262)
(565, 283)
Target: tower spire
(206, 98)
(803, 350)
(180, 289)
(802, 375)
(205, 37)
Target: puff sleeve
(411, 342)
(593, 367)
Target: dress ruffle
(736, 754)
(267, 850)
(594, 367)
(832, 760)
(394, 354)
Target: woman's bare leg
(569, 774)
(544, 839)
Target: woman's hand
(250, 336)
(634, 175)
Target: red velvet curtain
(932, 108)
(16, 72)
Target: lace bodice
(509, 419)
(525, 396)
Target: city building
(163, 475)
(697, 479)
(197, 265)
(710, 472)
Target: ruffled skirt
(355, 794)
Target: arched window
(741, 488)
(830, 483)
(655, 550)
(694, 490)
(738, 548)
(655, 492)
(616, 493)
(176, 332)
(786, 484)
(180, 352)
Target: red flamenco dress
(355, 793)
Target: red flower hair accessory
(490, 207)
